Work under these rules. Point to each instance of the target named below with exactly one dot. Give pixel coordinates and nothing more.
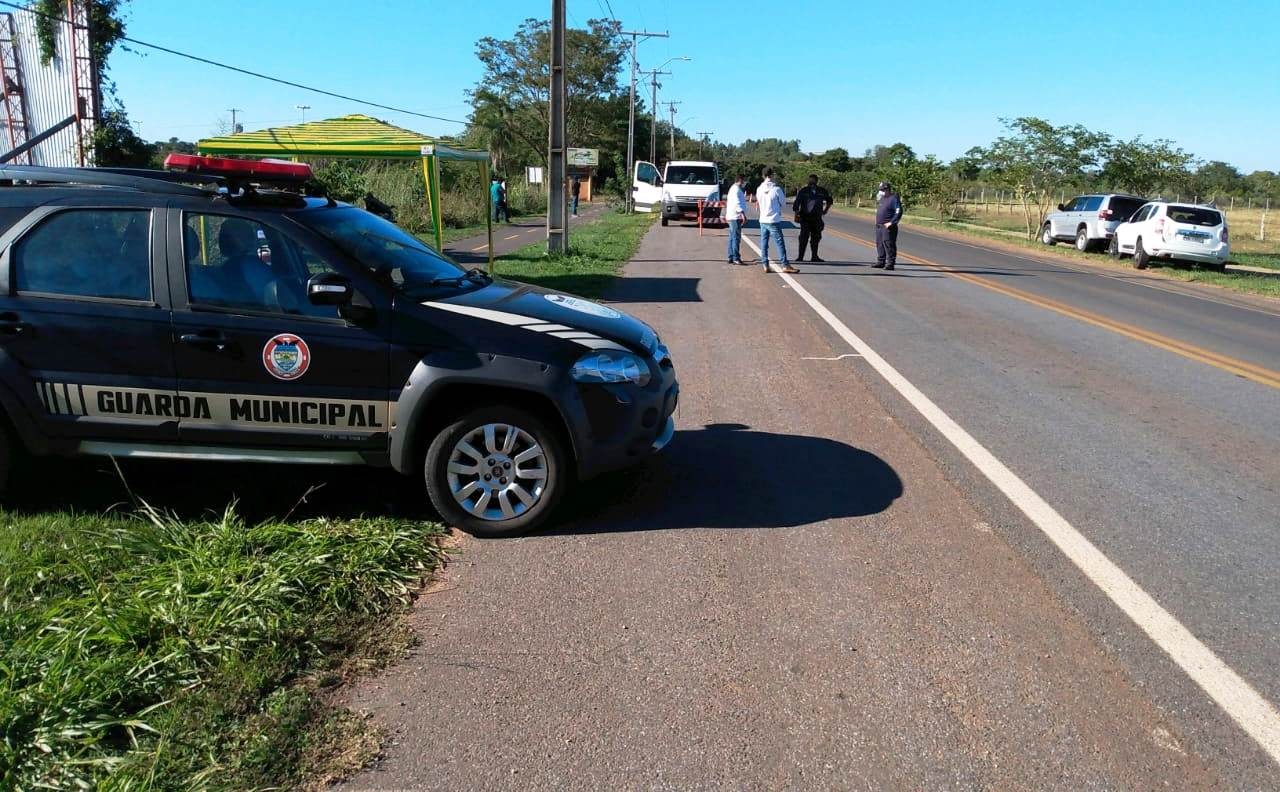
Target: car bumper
(1204, 254)
(624, 424)
(681, 210)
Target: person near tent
(495, 197)
(502, 201)
(575, 189)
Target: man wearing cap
(888, 213)
(811, 203)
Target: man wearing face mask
(888, 213)
(811, 203)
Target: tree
(836, 159)
(1141, 167)
(115, 144)
(1217, 178)
(1036, 160)
(509, 104)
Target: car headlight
(611, 366)
(666, 196)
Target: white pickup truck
(676, 191)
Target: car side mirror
(1062, 207)
(329, 288)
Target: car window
(647, 173)
(1142, 214)
(1195, 215)
(1091, 204)
(239, 263)
(1123, 208)
(87, 253)
(691, 174)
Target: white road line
(1253, 713)
(837, 357)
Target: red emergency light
(265, 170)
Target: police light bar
(266, 170)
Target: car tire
(512, 440)
(664, 221)
(1082, 240)
(1046, 235)
(1140, 258)
(1113, 248)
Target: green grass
(598, 250)
(148, 652)
(1266, 285)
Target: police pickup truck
(211, 312)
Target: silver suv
(1089, 220)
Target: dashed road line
(1237, 698)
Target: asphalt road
(812, 589)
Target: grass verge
(1250, 283)
(145, 651)
(598, 250)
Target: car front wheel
(1114, 248)
(1046, 236)
(496, 471)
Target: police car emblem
(585, 306)
(286, 357)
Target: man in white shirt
(770, 199)
(735, 212)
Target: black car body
(143, 318)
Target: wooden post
(1262, 224)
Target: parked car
(144, 316)
(677, 191)
(1174, 231)
(1089, 220)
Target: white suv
(1089, 220)
(1174, 231)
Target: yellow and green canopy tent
(357, 137)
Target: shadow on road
(729, 476)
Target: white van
(677, 190)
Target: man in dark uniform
(812, 202)
(888, 213)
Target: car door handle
(11, 325)
(212, 340)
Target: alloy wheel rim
(497, 472)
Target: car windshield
(1195, 215)
(389, 252)
(691, 174)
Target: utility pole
(304, 109)
(672, 107)
(653, 108)
(703, 137)
(557, 225)
(635, 35)
(233, 112)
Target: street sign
(584, 158)
(428, 150)
(534, 175)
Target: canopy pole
(431, 204)
(488, 202)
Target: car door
(262, 365)
(1127, 233)
(646, 187)
(1066, 220)
(85, 323)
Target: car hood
(555, 313)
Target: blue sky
(933, 74)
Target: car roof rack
(133, 178)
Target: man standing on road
(770, 199)
(735, 213)
(502, 201)
(888, 213)
(575, 187)
(811, 203)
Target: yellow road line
(513, 236)
(482, 247)
(1241, 368)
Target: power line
(259, 75)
